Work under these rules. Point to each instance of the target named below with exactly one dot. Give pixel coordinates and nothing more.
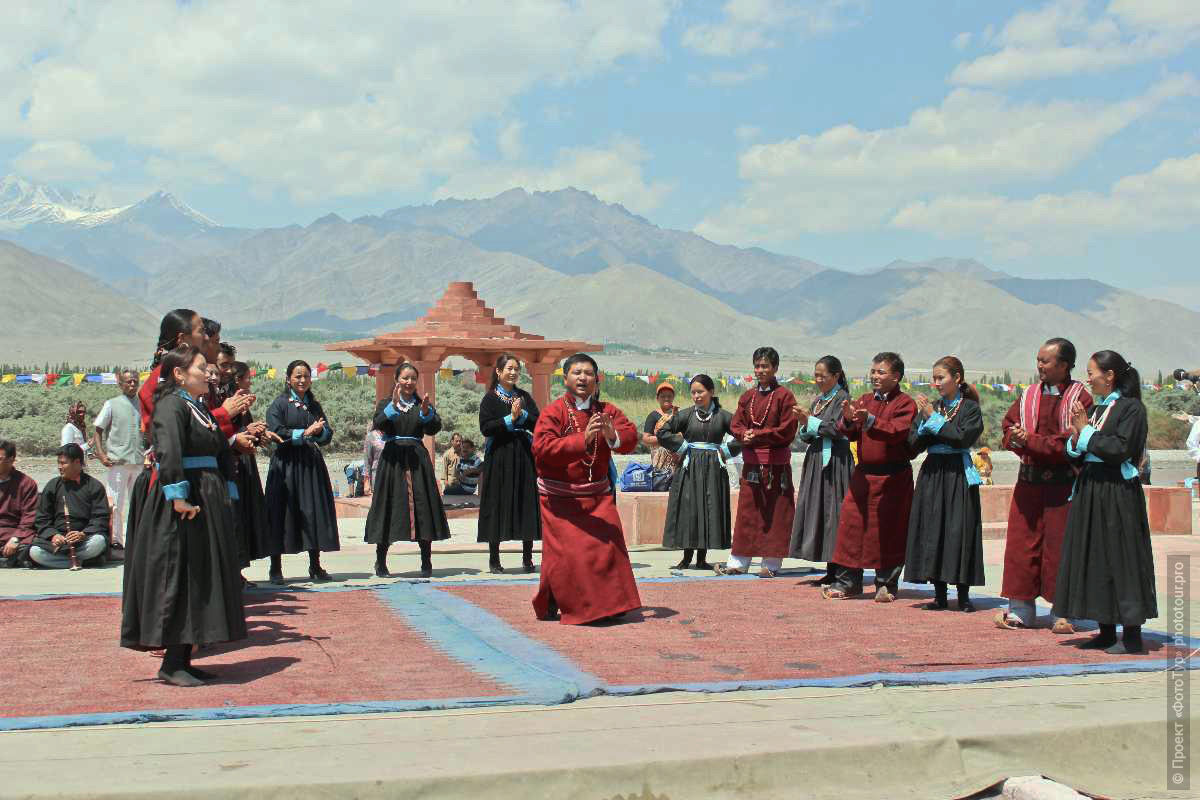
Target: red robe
(585, 565)
(18, 508)
(873, 526)
(767, 505)
(1037, 517)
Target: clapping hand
(1018, 436)
(316, 428)
(801, 415)
(239, 403)
(610, 431)
(853, 412)
(924, 407)
(425, 406)
(516, 408)
(594, 427)
(1079, 417)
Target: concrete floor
(1105, 734)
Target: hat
(664, 385)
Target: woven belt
(1049, 473)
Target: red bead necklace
(589, 456)
(758, 423)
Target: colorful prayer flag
(78, 378)
(271, 373)
(108, 378)
(321, 367)
(65, 380)
(362, 369)
(145, 376)
(24, 379)
(445, 373)
(51, 379)
(9, 378)
(350, 372)
(94, 378)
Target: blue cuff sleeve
(176, 491)
(870, 422)
(725, 451)
(509, 423)
(428, 418)
(297, 436)
(932, 425)
(390, 411)
(813, 426)
(1085, 436)
(233, 491)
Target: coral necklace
(589, 455)
(758, 423)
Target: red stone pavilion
(460, 324)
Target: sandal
(830, 593)
(1007, 621)
(768, 573)
(1062, 626)
(882, 595)
(721, 569)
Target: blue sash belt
(199, 462)
(416, 439)
(972, 474)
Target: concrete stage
(720, 687)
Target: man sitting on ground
(18, 507)
(466, 471)
(72, 512)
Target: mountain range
(565, 264)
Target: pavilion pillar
(540, 372)
(427, 385)
(385, 379)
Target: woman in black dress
(299, 496)
(945, 527)
(508, 505)
(250, 507)
(1107, 567)
(405, 503)
(182, 586)
(698, 518)
(825, 476)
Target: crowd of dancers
(1078, 532)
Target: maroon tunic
(585, 565)
(18, 507)
(873, 526)
(1037, 517)
(766, 494)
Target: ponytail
(1126, 380)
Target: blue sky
(1044, 138)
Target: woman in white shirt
(72, 432)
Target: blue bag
(637, 478)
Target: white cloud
(62, 160)
(962, 41)
(612, 173)
(509, 140)
(750, 25)
(1063, 38)
(747, 133)
(732, 77)
(1166, 198)
(319, 99)
(851, 179)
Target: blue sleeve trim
(427, 418)
(870, 423)
(932, 425)
(390, 411)
(813, 426)
(508, 422)
(297, 436)
(1085, 436)
(725, 451)
(176, 491)
(233, 491)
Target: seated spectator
(72, 432)
(449, 476)
(18, 507)
(84, 524)
(467, 471)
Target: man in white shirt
(122, 454)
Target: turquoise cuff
(176, 491)
(1085, 436)
(424, 418)
(813, 426)
(233, 491)
(932, 425)
(390, 411)
(725, 451)
(297, 436)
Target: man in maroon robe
(765, 423)
(586, 574)
(18, 509)
(873, 526)
(1036, 427)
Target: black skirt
(406, 505)
(819, 501)
(182, 583)
(945, 529)
(250, 511)
(508, 501)
(698, 515)
(1107, 569)
(299, 497)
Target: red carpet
(62, 657)
(707, 631)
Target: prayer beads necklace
(949, 415)
(758, 423)
(589, 454)
(820, 406)
(504, 396)
(700, 417)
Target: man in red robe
(586, 574)
(1036, 427)
(18, 509)
(873, 526)
(765, 423)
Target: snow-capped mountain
(23, 203)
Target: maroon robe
(18, 507)
(585, 565)
(1037, 516)
(766, 502)
(873, 526)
